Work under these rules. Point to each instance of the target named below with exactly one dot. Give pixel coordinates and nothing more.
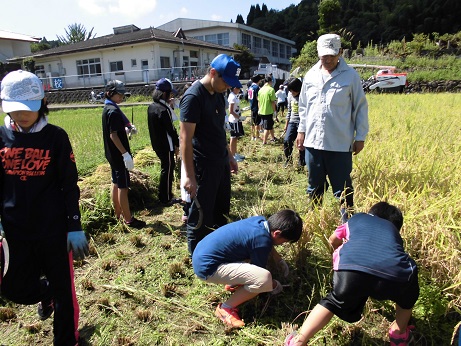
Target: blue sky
(51, 17)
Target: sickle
(200, 214)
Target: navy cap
(165, 85)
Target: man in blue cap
(204, 149)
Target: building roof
(128, 35)
(191, 25)
(7, 35)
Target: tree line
(365, 21)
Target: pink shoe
(401, 339)
(290, 339)
(229, 316)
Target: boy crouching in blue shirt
(236, 255)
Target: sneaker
(232, 288)
(171, 202)
(229, 316)
(239, 155)
(45, 309)
(287, 163)
(135, 223)
(401, 339)
(274, 140)
(237, 158)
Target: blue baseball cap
(228, 68)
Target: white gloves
(283, 266)
(134, 130)
(128, 161)
(278, 287)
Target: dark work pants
(167, 165)
(288, 141)
(337, 166)
(213, 194)
(29, 260)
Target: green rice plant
(84, 127)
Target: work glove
(76, 241)
(283, 266)
(128, 161)
(278, 287)
(133, 130)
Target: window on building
(221, 39)
(246, 40)
(134, 63)
(89, 67)
(282, 51)
(40, 71)
(194, 54)
(116, 66)
(275, 49)
(288, 52)
(257, 42)
(165, 62)
(199, 38)
(267, 45)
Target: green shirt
(266, 97)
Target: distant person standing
(253, 91)
(281, 101)
(333, 125)
(204, 150)
(267, 109)
(235, 123)
(164, 138)
(117, 151)
(292, 123)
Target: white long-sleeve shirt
(333, 114)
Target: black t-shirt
(208, 112)
(112, 121)
(38, 183)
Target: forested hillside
(377, 21)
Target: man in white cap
(204, 150)
(333, 125)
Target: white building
(266, 47)
(12, 45)
(142, 56)
(130, 54)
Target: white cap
(328, 44)
(21, 91)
